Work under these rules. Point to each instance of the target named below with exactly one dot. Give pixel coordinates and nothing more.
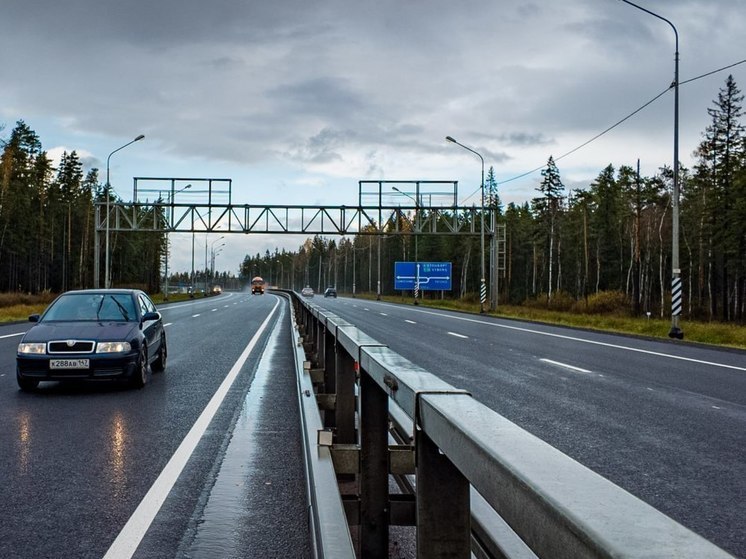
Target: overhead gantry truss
(291, 220)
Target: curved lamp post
(107, 265)
(171, 198)
(212, 245)
(482, 283)
(675, 331)
(416, 257)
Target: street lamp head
(450, 139)
(140, 137)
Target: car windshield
(92, 307)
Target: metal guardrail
(469, 464)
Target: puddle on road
(219, 529)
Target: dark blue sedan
(98, 334)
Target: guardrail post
(443, 514)
(318, 345)
(345, 402)
(374, 513)
(330, 375)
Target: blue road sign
(430, 276)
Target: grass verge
(713, 333)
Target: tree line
(609, 241)
(47, 224)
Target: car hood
(44, 332)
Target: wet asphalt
(77, 460)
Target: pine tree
(547, 209)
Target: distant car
(330, 292)
(216, 290)
(306, 291)
(97, 334)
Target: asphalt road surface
(202, 462)
(666, 421)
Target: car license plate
(69, 363)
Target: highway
(204, 461)
(666, 421)
(198, 463)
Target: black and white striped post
(483, 293)
(416, 283)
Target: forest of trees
(612, 239)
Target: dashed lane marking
(566, 366)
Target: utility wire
(610, 128)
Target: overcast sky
(296, 101)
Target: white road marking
(167, 324)
(410, 321)
(195, 315)
(457, 335)
(125, 544)
(716, 408)
(565, 365)
(366, 309)
(213, 310)
(382, 314)
(576, 339)
(226, 306)
(11, 335)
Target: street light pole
(483, 282)
(107, 264)
(416, 255)
(675, 331)
(171, 198)
(211, 256)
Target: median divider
(480, 484)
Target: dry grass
(714, 333)
(18, 306)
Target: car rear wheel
(26, 384)
(140, 376)
(159, 365)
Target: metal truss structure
(290, 219)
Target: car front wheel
(140, 376)
(159, 365)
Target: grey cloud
(523, 139)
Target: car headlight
(36, 348)
(113, 347)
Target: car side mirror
(151, 316)
(33, 318)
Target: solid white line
(125, 544)
(575, 339)
(457, 335)
(565, 365)
(11, 335)
(410, 321)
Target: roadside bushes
(603, 302)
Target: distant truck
(257, 286)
